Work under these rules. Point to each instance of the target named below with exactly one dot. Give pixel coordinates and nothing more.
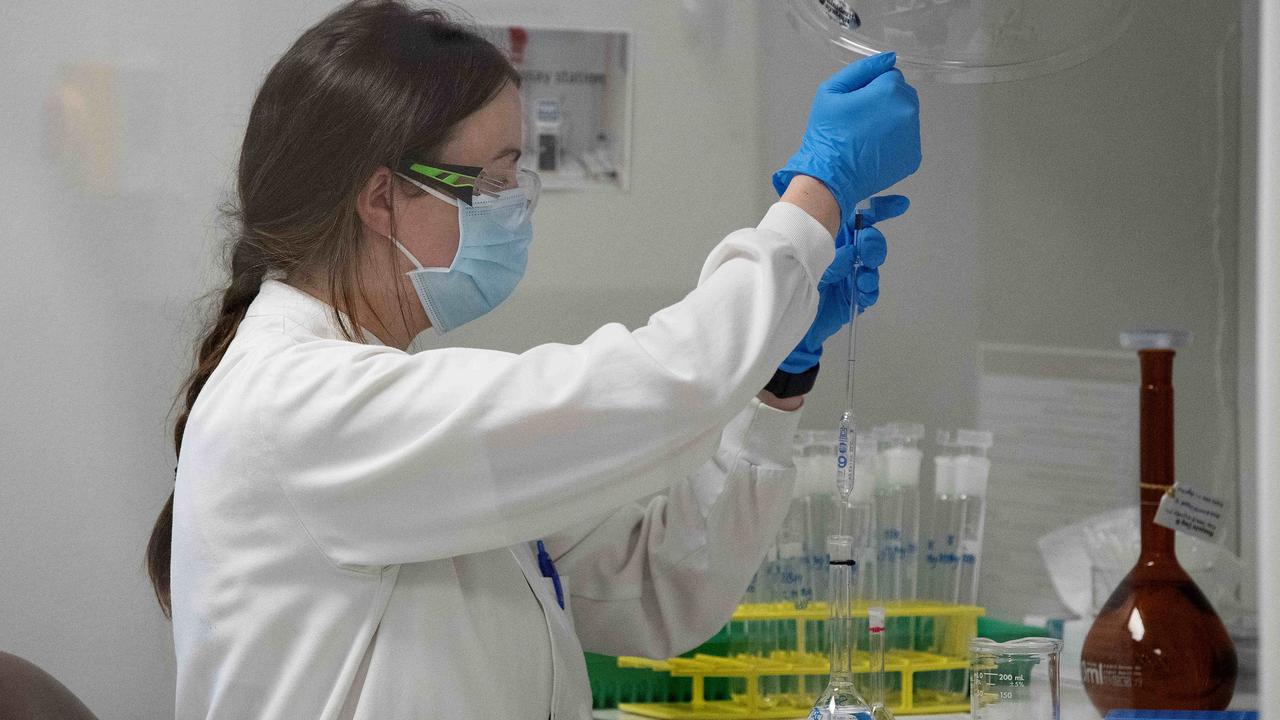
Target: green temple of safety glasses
(458, 181)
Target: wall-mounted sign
(577, 101)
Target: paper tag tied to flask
(1192, 512)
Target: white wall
(696, 175)
(97, 290)
(96, 294)
(916, 358)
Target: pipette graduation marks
(845, 449)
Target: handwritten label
(1192, 512)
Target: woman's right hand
(863, 133)
(859, 255)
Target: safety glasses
(507, 194)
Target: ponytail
(246, 278)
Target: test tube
(962, 486)
(770, 635)
(940, 569)
(942, 556)
(897, 509)
(878, 697)
(821, 506)
(793, 588)
(960, 513)
(860, 516)
(815, 456)
(792, 575)
(749, 640)
(973, 470)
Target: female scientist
(358, 532)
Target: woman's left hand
(835, 289)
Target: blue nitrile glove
(863, 133)
(835, 289)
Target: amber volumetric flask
(1157, 643)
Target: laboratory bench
(1075, 706)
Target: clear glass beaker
(1015, 680)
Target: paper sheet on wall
(1066, 446)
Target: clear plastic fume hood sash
(969, 41)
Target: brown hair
(374, 82)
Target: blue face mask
(493, 249)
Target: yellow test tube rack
(925, 665)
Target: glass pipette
(848, 428)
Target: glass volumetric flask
(1157, 643)
(1015, 680)
(841, 699)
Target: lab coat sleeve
(388, 457)
(658, 579)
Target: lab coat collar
(276, 298)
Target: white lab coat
(352, 523)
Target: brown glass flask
(1157, 643)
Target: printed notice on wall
(1065, 423)
(576, 91)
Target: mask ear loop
(405, 251)
(391, 203)
(417, 265)
(400, 296)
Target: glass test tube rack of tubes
(777, 657)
